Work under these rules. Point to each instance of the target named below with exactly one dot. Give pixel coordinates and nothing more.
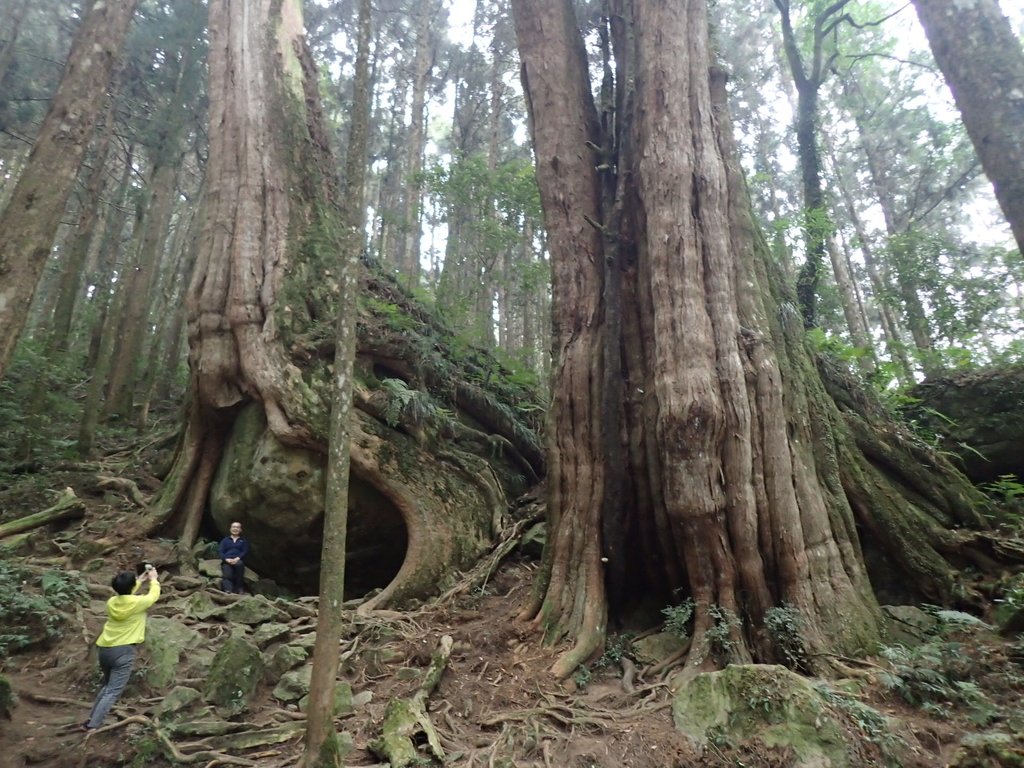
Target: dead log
(407, 719)
(68, 506)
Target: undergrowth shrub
(34, 606)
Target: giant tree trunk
(263, 292)
(983, 63)
(29, 222)
(745, 485)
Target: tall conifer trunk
(983, 63)
(745, 484)
(28, 223)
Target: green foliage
(932, 677)
(1007, 488)
(677, 618)
(582, 676)
(1011, 599)
(834, 346)
(719, 637)
(868, 720)
(617, 648)
(940, 675)
(38, 412)
(147, 750)
(32, 608)
(786, 627)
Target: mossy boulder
(167, 641)
(253, 611)
(655, 648)
(285, 658)
(201, 606)
(177, 700)
(990, 750)
(908, 625)
(774, 706)
(234, 675)
(267, 634)
(344, 702)
(294, 684)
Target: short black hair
(124, 582)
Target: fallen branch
(486, 567)
(68, 506)
(125, 486)
(406, 719)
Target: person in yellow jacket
(124, 629)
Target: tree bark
(565, 129)
(983, 63)
(745, 482)
(808, 80)
(422, 66)
(71, 276)
(322, 744)
(29, 222)
(139, 280)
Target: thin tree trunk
(139, 282)
(28, 224)
(322, 745)
(983, 63)
(422, 66)
(110, 246)
(165, 310)
(12, 26)
(817, 224)
(906, 282)
(890, 327)
(71, 274)
(855, 325)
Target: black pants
(231, 577)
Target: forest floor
(495, 706)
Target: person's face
(236, 529)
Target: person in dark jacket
(233, 551)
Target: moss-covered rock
(285, 658)
(253, 611)
(657, 647)
(200, 606)
(267, 634)
(234, 675)
(772, 705)
(907, 625)
(990, 750)
(344, 701)
(167, 641)
(177, 700)
(294, 684)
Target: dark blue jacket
(233, 548)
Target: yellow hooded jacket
(126, 618)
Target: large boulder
(167, 642)
(742, 704)
(234, 675)
(418, 510)
(979, 415)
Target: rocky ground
(222, 678)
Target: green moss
(769, 704)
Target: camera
(142, 568)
